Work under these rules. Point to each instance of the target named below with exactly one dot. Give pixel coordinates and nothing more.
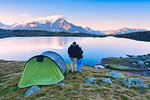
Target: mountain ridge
(123, 30)
(58, 23)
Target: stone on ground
(90, 80)
(116, 75)
(99, 67)
(134, 82)
(107, 80)
(32, 90)
(62, 84)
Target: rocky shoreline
(139, 64)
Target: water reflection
(94, 48)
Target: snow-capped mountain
(124, 30)
(3, 26)
(55, 23)
(93, 31)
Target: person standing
(72, 51)
(79, 59)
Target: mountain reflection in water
(23, 48)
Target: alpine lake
(23, 48)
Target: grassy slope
(11, 71)
(120, 67)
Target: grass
(123, 68)
(114, 59)
(76, 89)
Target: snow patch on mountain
(40, 20)
(3, 26)
(123, 30)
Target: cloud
(25, 15)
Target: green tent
(45, 69)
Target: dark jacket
(75, 51)
(80, 52)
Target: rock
(133, 61)
(32, 90)
(91, 99)
(41, 97)
(148, 57)
(62, 84)
(147, 64)
(141, 63)
(116, 75)
(134, 64)
(129, 56)
(90, 80)
(148, 72)
(147, 60)
(99, 67)
(134, 82)
(107, 80)
(18, 97)
(148, 69)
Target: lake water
(23, 48)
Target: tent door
(40, 58)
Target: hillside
(76, 89)
(141, 36)
(29, 33)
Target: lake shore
(139, 64)
(139, 36)
(41, 33)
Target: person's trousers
(73, 63)
(79, 63)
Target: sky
(96, 14)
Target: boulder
(148, 69)
(147, 60)
(99, 67)
(147, 64)
(62, 83)
(107, 80)
(116, 75)
(141, 63)
(133, 61)
(134, 82)
(32, 90)
(90, 80)
(148, 72)
(129, 56)
(134, 64)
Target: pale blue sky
(96, 14)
